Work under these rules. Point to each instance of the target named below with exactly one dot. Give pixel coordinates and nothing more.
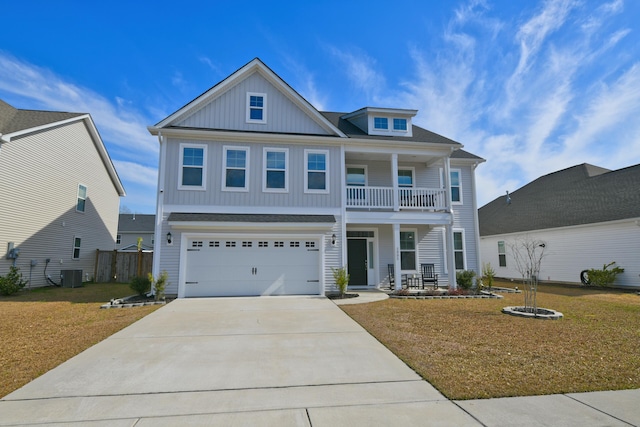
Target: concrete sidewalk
(283, 361)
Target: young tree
(528, 253)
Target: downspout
(157, 249)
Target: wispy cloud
(360, 69)
(122, 127)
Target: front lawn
(468, 349)
(41, 328)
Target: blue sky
(532, 86)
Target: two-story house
(261, 194)
(59, 195)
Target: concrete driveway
(283, 361)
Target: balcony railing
(384, 198)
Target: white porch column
(450, 255)
(394, 178)
(396, 258)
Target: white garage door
(243, 267)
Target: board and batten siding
(255, 196)
(39, 177)
(229, 111)
(570, 250)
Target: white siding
(39, 177)
(573, 249)
(228, 111)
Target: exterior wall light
(169, 238)
(333, 239)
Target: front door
(357, 261)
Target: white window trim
(224, 168)
(381, 129)
(415, 236)
(264, 108)
(464, 248)
(73, 249)
(326, 172)
(86, 191)
(118, 239)
(504, 247)
(413, 175)
(392, 127)
(460, 186)
(265, 189)
(181, 166)
(366, 173)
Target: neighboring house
(586, 216)
(59, 193)
(262, 194)
(131, 227)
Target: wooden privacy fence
(114, 266)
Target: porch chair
(392, 276)
(429, 275)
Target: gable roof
(15, 122)
(582, 194)
(136, 223)
(253, 66)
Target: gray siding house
(59, 193)
(259, 193)
(132, 227)
(586, 215)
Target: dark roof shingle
(14, 119)
(582, 194)
(220, 217)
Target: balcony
(384, 198)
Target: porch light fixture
(333, 239)
(169, 241)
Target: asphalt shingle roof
(14, 119)
(582, 194)
(136, 223)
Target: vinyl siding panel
(573, 249)
(228, 111)
(379, 173)
(464, 219)
(215, 196)
(39, 177)
(128, 238)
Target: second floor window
(275, 170)
(192, 170)
(82, 198)
(316, 169)
(456, 186)
(235, 168)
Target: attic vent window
(400, 124)
(256, 107)
(380, 123)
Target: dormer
(383, 121)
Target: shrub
(464, 278)
(140, 285)
(159, 285)
(341, 278)
(604, 277)
(488, 273)
(12, 282)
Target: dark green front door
(357, 261)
